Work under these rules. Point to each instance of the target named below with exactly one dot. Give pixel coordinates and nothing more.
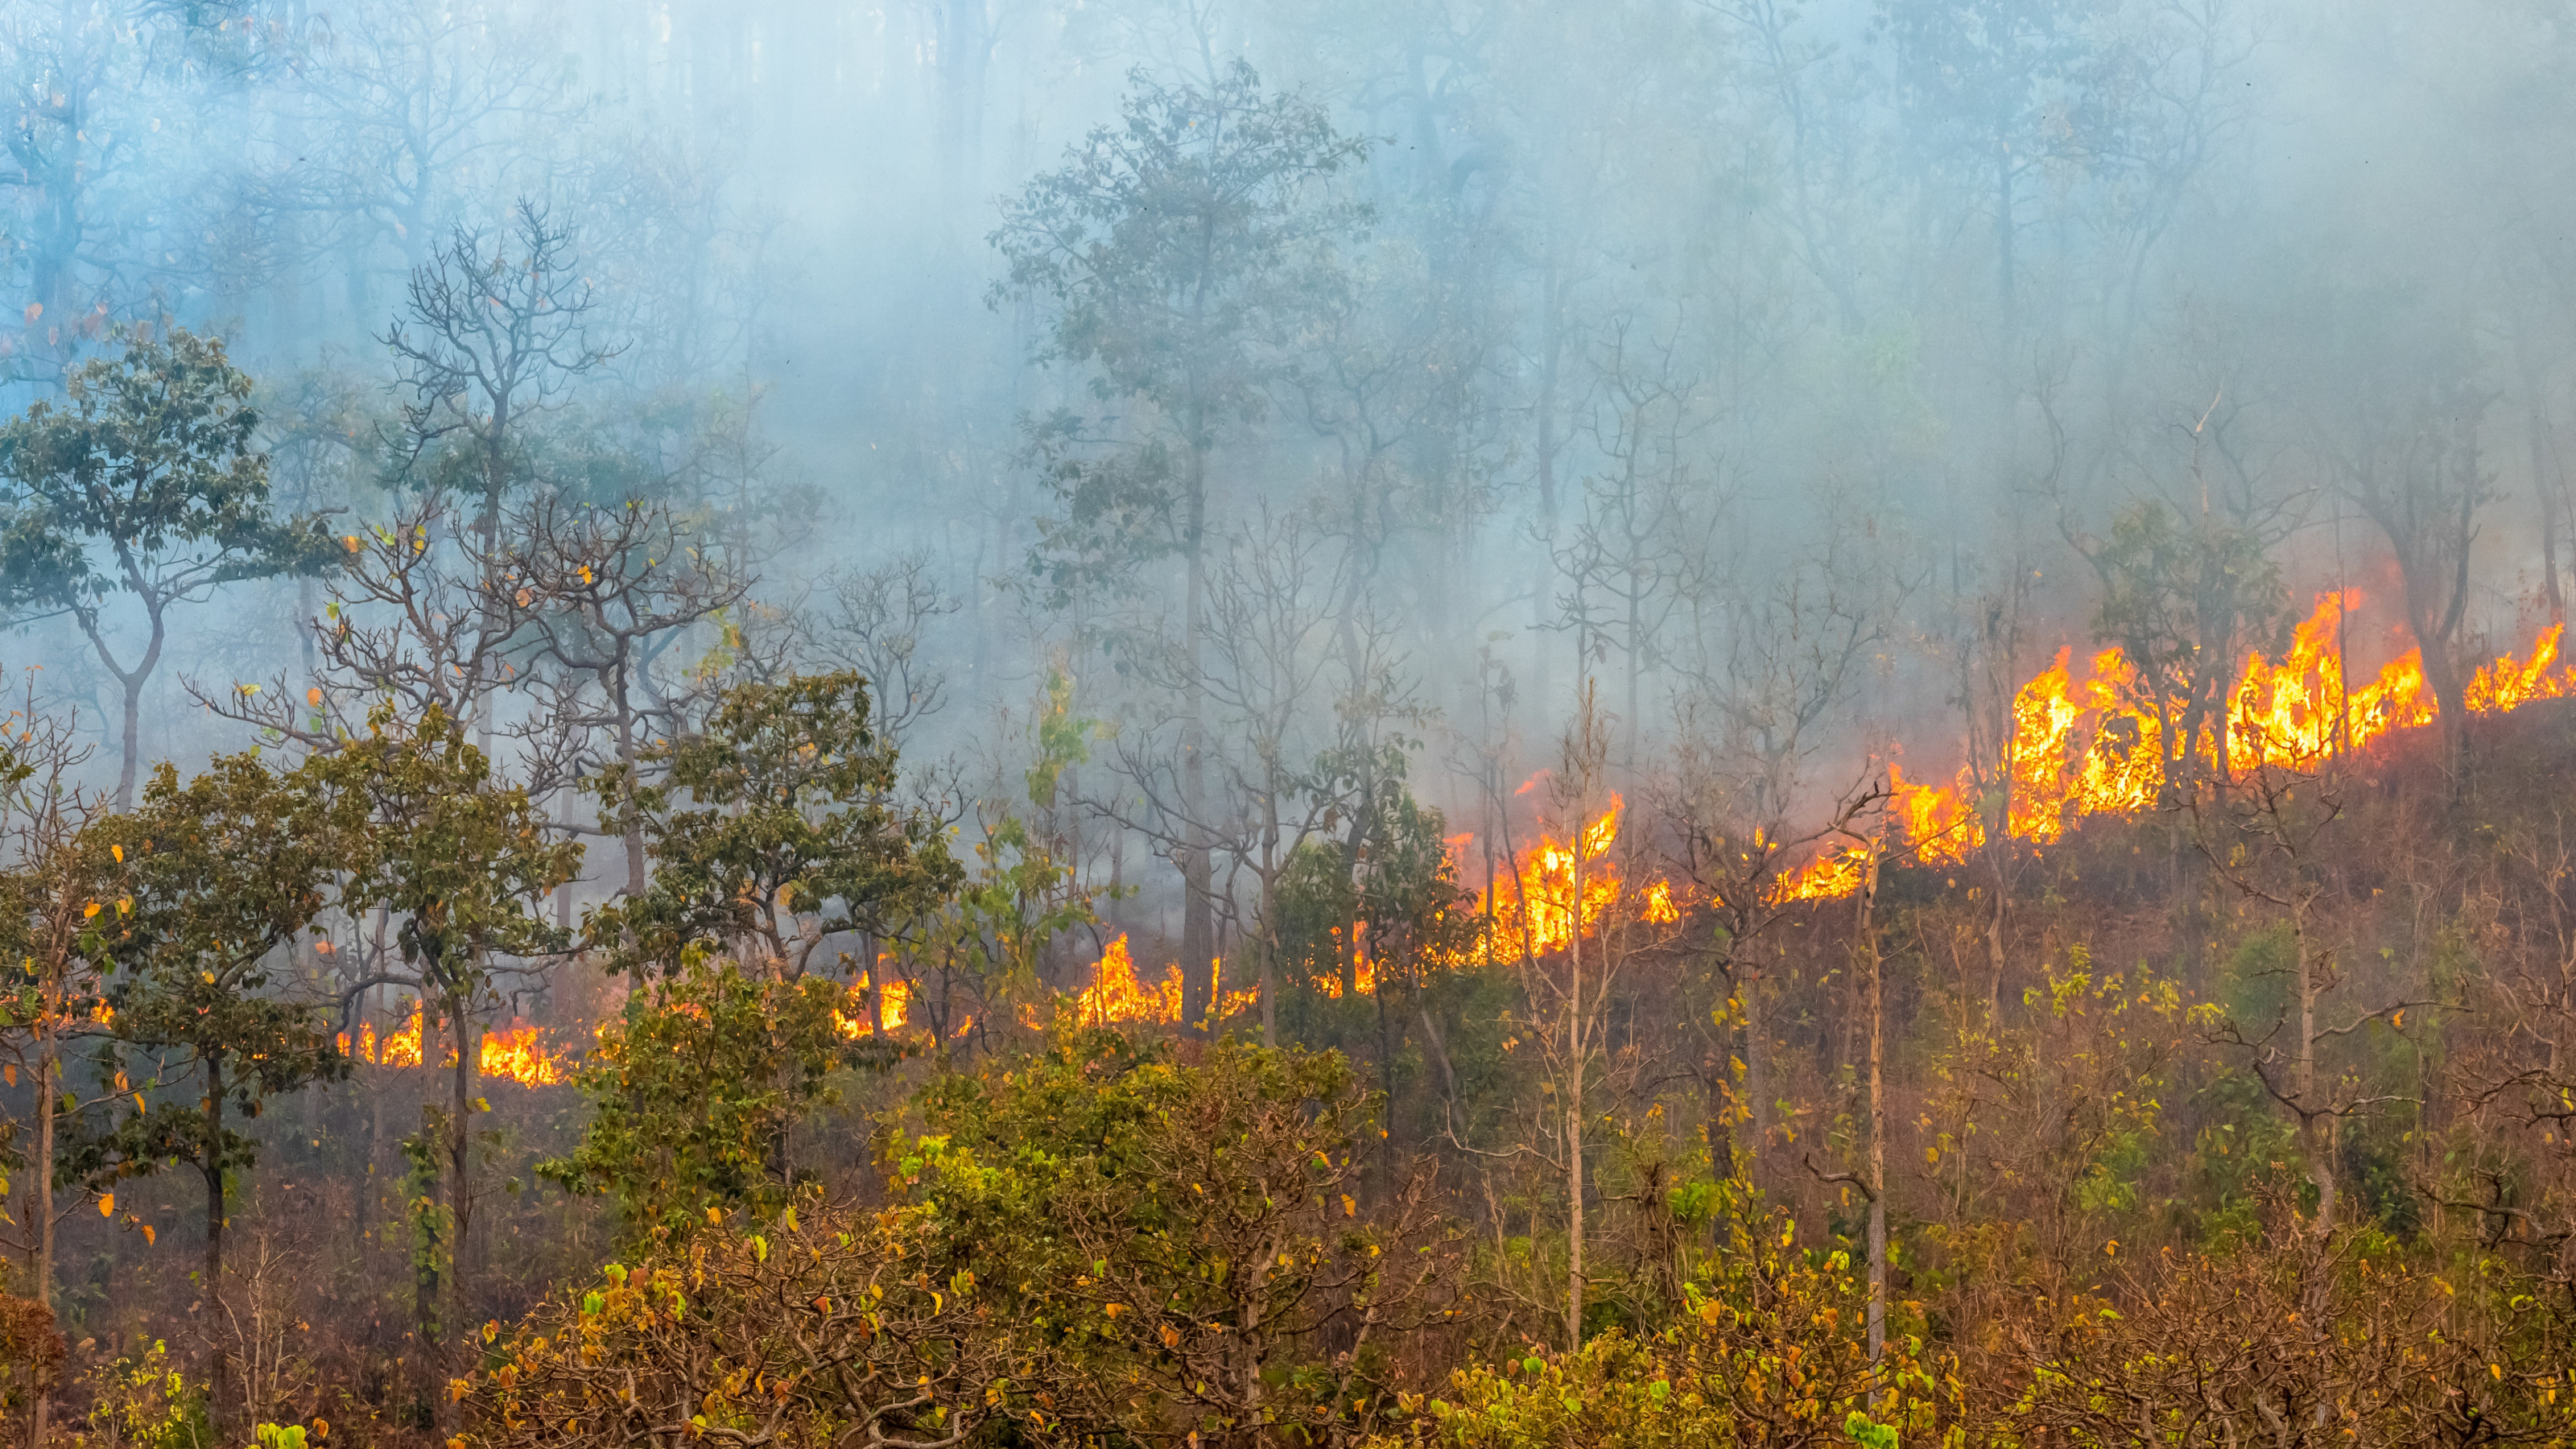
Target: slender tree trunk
(425, 1282)
(2546, 488)
(1575, 1047)
(1873, 987)
(131, 746)
(626, 756)
(2317, 1126)
(460, 1139)
(48, 1057)
(1269, 945)
(1198, 908)
(210, 1165)
(2006, 284)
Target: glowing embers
(518, 1052)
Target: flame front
(2094, 747)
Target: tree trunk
(460, 1141)
(1575, 1046)
(2317, 1126)
(47, 1057)
(1198, 908)
(626, 755)
(210, 1165)
(1872, 982)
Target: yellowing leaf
(148, 1235)
(90, 911)
(107, 1204)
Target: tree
(408, 107)
(695, 1089)
(113, 205)
(1179, 1223)
(1989, 82)
(150, 457)
(771, 831)
(459, 864)
(2186, 601)
(216, 876)
(1179, 253)
(604, 592)
(58, 867)
(497, 333)
(2266, 838)
(1377, 919)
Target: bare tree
(2266, 837)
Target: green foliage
(212, 877)
(694, 1091)
(1181, 251)
(459, 861)
(1179, 1229)
(1393, 880)
(1063, 739)
(770, 831)
(143, 1403)
(151, 455)
(1770, 1351)
(2185, 601)
(431, 1225)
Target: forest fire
(1117, 994)
(514, 1053)
(2092, 746)
(2082, 744)
(893, 1009)
(1560, 888)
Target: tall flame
(1558, 889)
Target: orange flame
(1117, 995)
(2092, 747)
(514, 1053)
(1538, 909)
(517, 1053)
(853, 1023)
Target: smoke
(1785, 372)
